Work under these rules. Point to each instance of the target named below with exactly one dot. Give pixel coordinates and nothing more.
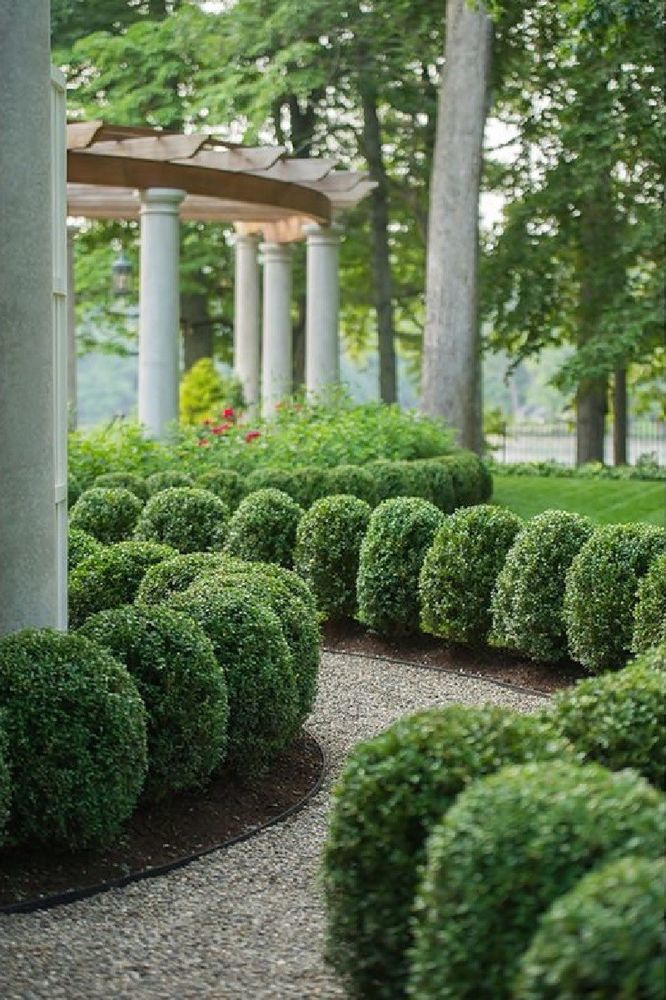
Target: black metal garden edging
(75, 895)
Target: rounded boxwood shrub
(74, 489)
(76, 739)
(109, 515)
(80, 545)
(527, 601)
(159, 481)
(111, 577)
(472, 482)
(433, 482)
(263, 529)
(354, 480)
(460, 570)
(618, 720)
(392, 479)
(188, 519)
(5, 781)
(251, 650)
(650, 610)
(393, 790)
(126, 480)
(182, 686)
(604, 938)
(508, 847)
(267, 477)
(176, 574)
(600, 594)
(298, 620)
(226, 484)
(328, 544)
(399, 534)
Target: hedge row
(430, 879)
(214, 665)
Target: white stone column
(322, 347)
(276, 376)
(71, 329)
(247, 318)
(28, 531)
(159, 309)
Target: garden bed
(160, 837)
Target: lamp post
(121, 275)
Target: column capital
(245, 239)
(275, 252)
(161, 200)
(323, 235)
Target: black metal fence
(536, 442)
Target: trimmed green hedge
(76, 739)
(251, 650)
(263, 528)
(650, 610)
(352, 480)
(604, 938)
(618, 719)
(600, 594)
(529, 593)
(111, 577)
(168, 479)
(5, 782)
(226, 484)
(460, 570)
(80, 545)
(125, 480)
(399, 534)
(508, 847)
(188, 519)
(109, 515)
(328, 542)
(182, 686)
(393, 790)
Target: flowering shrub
(399, 534)
(182, 686)
(328, 543)
(600, 594)
(109, 515)
(650, 610)
(460, 570)
(263, 528)
(204, 392)
(527, 600)
(76, 739)
(188, 519)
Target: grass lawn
(604, 500)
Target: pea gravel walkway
(242, 923)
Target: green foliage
(111, 577)
(399, 534)
(508, 847)
(646, 468)
(80, 545)
(328, 543)
(188, 519)
(182, 686)
(394, 789)
(604, 938)
(225, 484)
(176, 574)
(251, 650)
(76, 739)
(602, 500)
(126, 480)
(460, 570)
(109, 515)
(600, 594)
(527, 600)
(166, 480)
(117, 447)
(268, 477)
(74, 490)
(5, 782)
(353, 480)
(434, 482)
(204, 392)
(650, 610)
(263, 528)
(618, 720)
(472, 483)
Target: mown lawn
(604, 500)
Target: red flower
(252, 436)
(220, 428)
(228, 414)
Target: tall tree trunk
(381, 260)
(451, 366)
(197, 330)
(620, 417)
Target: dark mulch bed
(179, 827)
(492, 664)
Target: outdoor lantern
(121, 275)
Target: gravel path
(242, 923)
